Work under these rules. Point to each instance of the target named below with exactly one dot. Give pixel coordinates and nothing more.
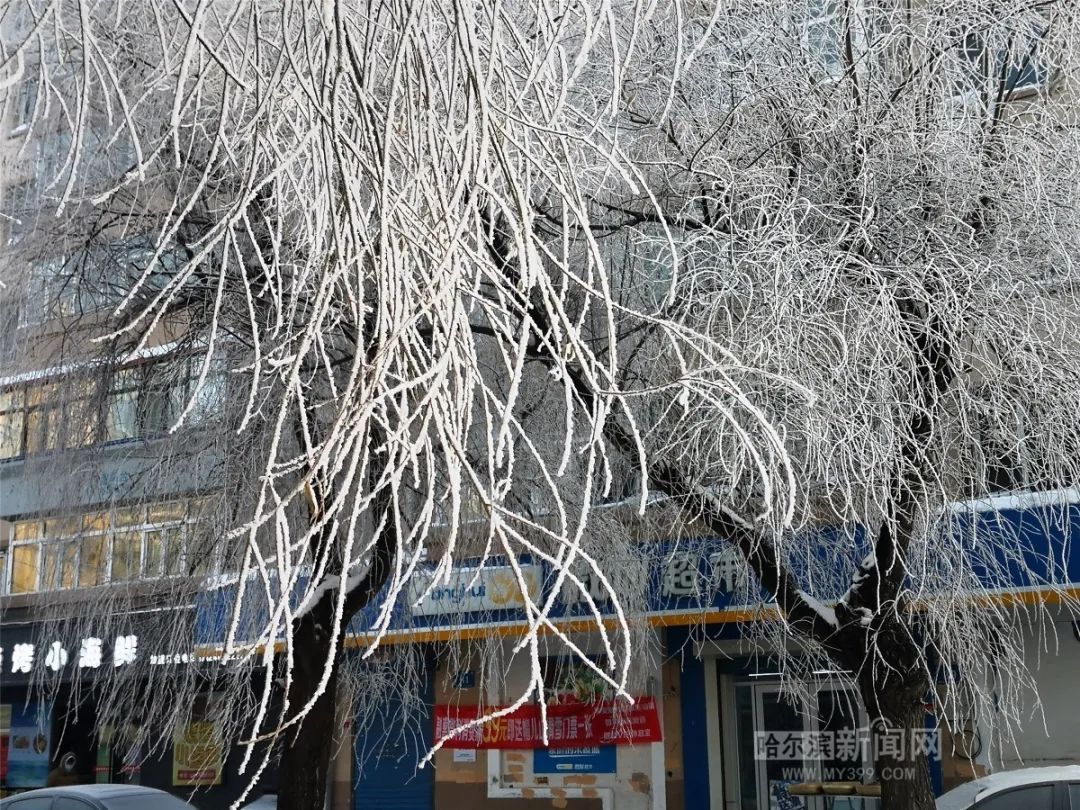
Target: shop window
(770, 728)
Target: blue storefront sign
(1007, 548)
(594, 759)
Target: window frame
(984, 79)
(834, 13)
(25, 103)
(158, 389)
(107, 526)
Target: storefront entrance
(771, 743)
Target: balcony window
(122, 406)
(141, 402)
(25, 568)
(125, 545)
(12, 419)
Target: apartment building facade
(703, 697)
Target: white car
(268, 801)
(1054, 788)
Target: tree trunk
(901, 764)
(305, 757)
(893, 697)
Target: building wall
(1049, 732)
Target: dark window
(1036, 797)
(1074, 795)
(1004, 67)
(34, 803)
(70, 803)
(19, 211)
(25, 102)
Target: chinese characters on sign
(684, 576)
(847, 744)
(198, 745)
(23, 657)
(569, 725)
(591, 759)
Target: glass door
(779, 728)
(816, 740)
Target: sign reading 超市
(569, 725)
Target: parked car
(1053, 788)
(95, 797)
(268, 801)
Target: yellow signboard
(198, 750)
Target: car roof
(967, 794)
(102, 791)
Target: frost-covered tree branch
(464, 266)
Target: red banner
(569, 725)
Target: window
(33, 803)
(826, 29)
(97, 548)
(141, 401)
(824, 35)
(1074, 795)
(11, 423)
(1036, 797)
(70, 803)
(18, 211)
(25, 102)
(54, 416)
(122, 406)
(1003, 67)
(56, 289)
